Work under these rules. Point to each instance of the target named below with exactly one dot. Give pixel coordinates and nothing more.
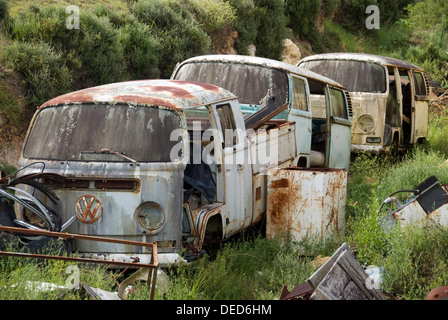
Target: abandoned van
(319, 106)
(390, 98)
(133, 162)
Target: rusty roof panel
(268, 63)
(386, 61)
(167, 93)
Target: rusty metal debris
(10, 195)
(152, 267)
(340, 278)
(426, 202)
(300, 292)
(306, 202)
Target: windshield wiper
(104, 150)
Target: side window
(338, 104)
(197, 118)
(420, 84)
(299, 96)
(228, 124)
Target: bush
(5, 19)
(10, 108)
(212, 15)
(46, 75)
(246, 25)
(271, 31)
(180, 37)
(142, 50)
(302, 15)
(92, 52)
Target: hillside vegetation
(137, 39)
(123, 40)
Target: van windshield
(101, 132)
(251, 84)
(355, 76)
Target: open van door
(421, 106)
(340, 128)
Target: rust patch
(176, 92)
(78, 97)
(282, 183)
(145, 100)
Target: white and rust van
(390, 98)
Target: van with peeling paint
(390, 98)
(319, 106)
(163, 161)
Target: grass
(414, 260)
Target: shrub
(5, 19)
(92, 52)
(180, 38)
(10, 108)
(302, 15)
(142, 50)
(212, 15)
(246, 25)
(46, 75)
(271, 31)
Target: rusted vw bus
(126, 157)
(319, 105)
(390, 98)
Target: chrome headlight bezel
(150, 216)
(366, 124)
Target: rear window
(81, 132)
(356, 76)
(252, 84)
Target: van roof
(259, 61)
(173, 94)
(385, 61)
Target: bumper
(165, 259)
(359, 148)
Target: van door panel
(421, 105)
(340, 129)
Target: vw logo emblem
(88, 209)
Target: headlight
(150, 215)
(366, 124)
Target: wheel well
(213, 230)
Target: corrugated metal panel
(306, 203)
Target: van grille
(349, 103)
